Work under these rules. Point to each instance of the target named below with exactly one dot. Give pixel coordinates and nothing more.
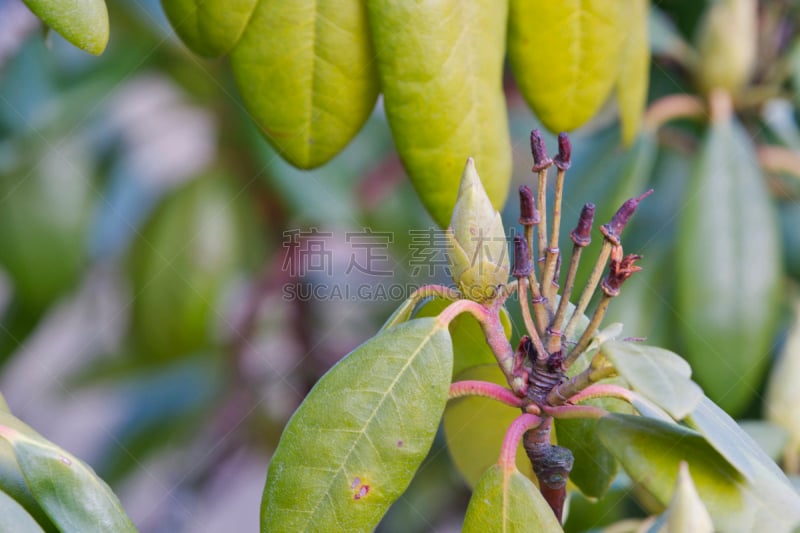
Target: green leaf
(783, 393)
(83, 23)
(14, 517)
(728, 268)
(735, 504)
(506, 501)
(197, 243)
(469, 342)
(307, 76)
(441, 68)
(209, 27)
(474, 428)
(68, 490)
(352, 447)
(658, 374)
(595, 467)
(566, 56)
(770, 438)
(634, 69)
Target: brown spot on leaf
(363, 491)
(399, 444)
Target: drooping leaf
(440, 65)
(686, 511)
(728, 268)
(469, 342)
(83, 23)
(352, 447)
(594, 468)
(634, 69)
(209, 27)
(566, 56)
(68, 490)
(734, 503)
(474, 428)
(306, 72)
(505, 500)
(657, 374)
(14, 517)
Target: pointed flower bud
(686, 511)
(522, 260)
(539, 152)
(477, 247)
(582, 234)
(562, 160)
(528, 215)
(613, 229)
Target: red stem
(508, 453)
(486, 390)
(602, 390)
(574, 411)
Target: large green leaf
(475, 427)
(209, 27)
(306, 72)
(566, 56)
(352, 447)
(506, 501)
(13, 483)
(84, 23)
(594, 468)
(734, 503)
(660, 375)
(729, 268)
(634, 69)
(14, 517)
(469, 342)
(441, 66)
(68, 490)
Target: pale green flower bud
(477, 248)
(686, 511)
(726, 42)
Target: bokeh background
(170, 288)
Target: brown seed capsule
(582, 234)
(562, 160)
(522, 260)
(613, 229)
(619, 270)
(528, 214)
(539, 152)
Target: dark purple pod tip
(539, 151)
(522, 259)
(562, 160)
(582, 234)
(613, 229)
(528, 215)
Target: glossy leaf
(13, 484)
(66, 488)
(686, 511)
(352, 447)
(441, 66)
(734, 503)
(505, 501)
(566, 56)
(83, 23)
(209, 27)
(634, 69)
(469, 342)
(14, 517)
(194, 246)
(657, 374)
(474, 428)
(307, 76)
(728, 269)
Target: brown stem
(541, 201)
(673, 107)
(551, 464)
(590, 330)
(589, 288)
(574, 262)
(526, 317)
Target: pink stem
(486, 390)
(508, 453)
(602, 390)
(574, 411)
(441, 291)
